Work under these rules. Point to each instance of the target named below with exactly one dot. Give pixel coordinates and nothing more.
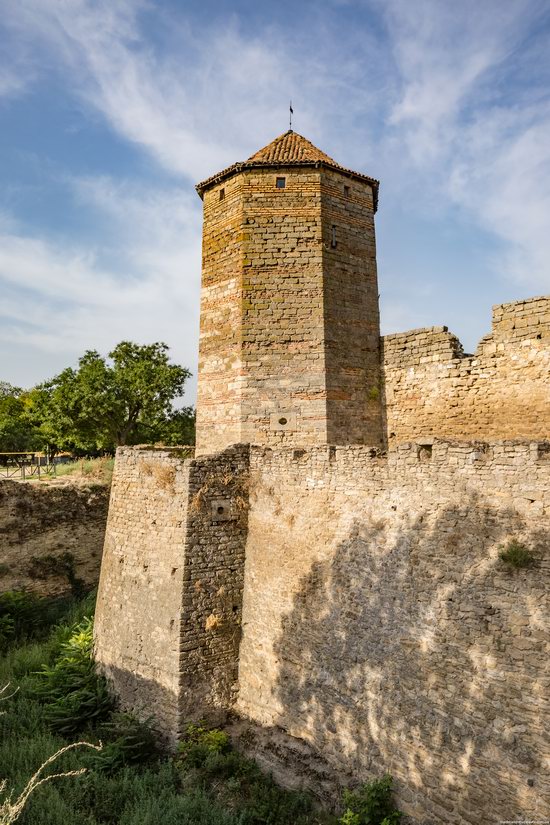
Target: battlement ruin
(325, 575)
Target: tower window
(347, 191)
(333, 241)
(280, 183)
(222, 194)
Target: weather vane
(290, 119)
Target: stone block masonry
(289, 342)
(382, 630)
(346, 607)
(169, 607)
(431, 389)
(350, 608)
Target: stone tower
(289, 334)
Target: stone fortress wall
(381, 628)
(168, 613)
(349, 607)
(339, 599)
(431, 388)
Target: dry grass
(11, 809)
(147, 467)
(226, 485)
(164, 474)
(99, 470)
(213, 622)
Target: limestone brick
(350, 609)
(382, 630)
(347, 605)
(431, 388)
(289, 310)
(169, 609)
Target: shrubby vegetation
(371, 805)
(516, 555)
(127, 398)
(60, 699)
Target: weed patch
(128, 782)
(372, 804)
(516, 555)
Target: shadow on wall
(422, 655)
(150, 701)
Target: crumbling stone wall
(51, 534)
(382, 629)
(168, 612)
(431, 389)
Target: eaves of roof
(235, 168)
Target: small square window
(347, 191)
(222, 194)
(280, 183)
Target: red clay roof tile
(290, 147)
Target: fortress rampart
(380, 629)
(332, 588)
(432, 389)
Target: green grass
(98, 470)
(206, 784)
(94, 469)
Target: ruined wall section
(431, 389)
(383, 632)
(51, 535)
(168, 614)
(351, 313)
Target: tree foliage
(17, 432)
(126, 398)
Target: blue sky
(111, 111)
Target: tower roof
(289, 149)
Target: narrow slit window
(222, 194)
(333, 241)
(347, 191)
(280, 183)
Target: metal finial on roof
(290, 119)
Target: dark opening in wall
(333, 241)
(222, 194)
(424, 452)
(347, 191)
(283, 421)
(280, 183)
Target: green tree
(177, 429)
(107, 403)
(17, 432)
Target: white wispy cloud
(62, 298)
(483, 150)
(425, 105)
